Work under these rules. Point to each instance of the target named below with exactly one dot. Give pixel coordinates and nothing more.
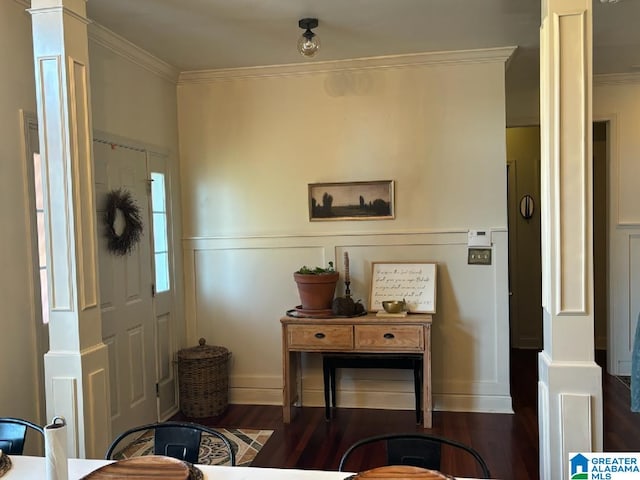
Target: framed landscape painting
(351, 201)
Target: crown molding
(617, 79)
(488, 55)
(124, 48)
(129, 51)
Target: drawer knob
(320, 335)
(389, 336)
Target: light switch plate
(479, 256)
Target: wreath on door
(122, 243)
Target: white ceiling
(212, 34)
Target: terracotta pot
(316, 291)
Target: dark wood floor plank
(508, 443)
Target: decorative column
(76, 366)
(569, 387)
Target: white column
(76, 365)
(569, 388)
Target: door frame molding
(29, 121)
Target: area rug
(246, 444)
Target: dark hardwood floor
(508, 443)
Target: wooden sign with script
(413, 282)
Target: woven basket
(203, 378)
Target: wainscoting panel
(97, 395)
(237, 290)
(65, 404)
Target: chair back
(13, 433)
(179, 440)
(417, 452)
(415, 449)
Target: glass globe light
(308, 44)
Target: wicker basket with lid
(203, 378)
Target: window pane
(42, 252)
(37, 174)
(162, 272)
(159, 232)
(157, 192)
(44, 295)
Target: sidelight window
(160, 237)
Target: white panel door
(126, 293)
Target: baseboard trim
(255, 396)
(388, 400)
(473, 403)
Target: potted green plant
(316, 287)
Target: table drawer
(320, 337)
(390, 337)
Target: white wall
(250, 142)
(616, 99)
(523, 88)
(133, 95)
(20, 390)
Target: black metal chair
(179, 440)
(416, 449)
(13, 433)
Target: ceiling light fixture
(308, 43)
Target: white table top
(33, 468)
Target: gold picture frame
(372, 200)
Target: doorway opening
(525, 271)
(600, 244)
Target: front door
(126, 284)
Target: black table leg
(332, 379)
(417, 379)
(326, 376)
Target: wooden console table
(366, 334)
